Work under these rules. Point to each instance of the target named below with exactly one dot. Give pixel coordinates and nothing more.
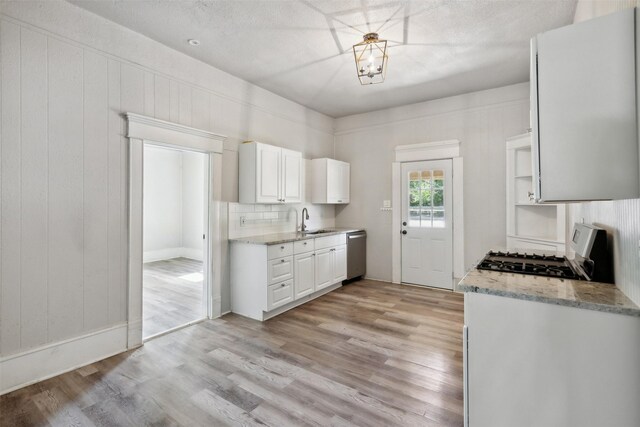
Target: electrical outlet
(386, 203)
(243, 221)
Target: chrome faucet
(305, 214)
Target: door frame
(140, 130)
(438, 150)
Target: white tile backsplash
(268, 219)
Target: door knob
(404, 231)
(404, 223)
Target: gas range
(522, 263)
(593, 260)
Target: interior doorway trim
(448, 149)
(141, 129)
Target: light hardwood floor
(172, 295)
(368, 354)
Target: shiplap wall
(621, 218)
(481, 121)
(67, 77)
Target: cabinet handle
(283, 285)
(313, 254)
(305, 243)
(282, 260)
(339, 201)
(281, 247)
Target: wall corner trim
(40, 363)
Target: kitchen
(116, 80)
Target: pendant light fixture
(371, 59)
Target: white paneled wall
(67, 78)
(621, 218)
(481, 121)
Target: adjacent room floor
(369, 354)
(172, 294)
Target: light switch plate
(386, 203)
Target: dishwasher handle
(356, 236)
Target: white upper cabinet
(291, 176)
(583, 110)
(331, 181)
(269, 174)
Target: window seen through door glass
(426, 198)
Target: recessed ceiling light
(194, 42)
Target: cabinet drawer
(330, 241)
(303, 246)
(279, 294)
(279, 251)
(280, 269)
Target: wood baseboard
(38, 364)
(169, 253)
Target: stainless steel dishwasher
(356, 254)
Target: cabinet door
(304, 274)
(338, 174)
(268, 173)
(334, 181)
(584, 111)
(339, 263)
(291, 176)
(345, 176)
(324, 268)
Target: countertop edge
(254, 240)
(606, 308)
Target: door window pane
(426, 198)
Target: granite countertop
(572, 293)
(294, 236)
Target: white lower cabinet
(269, 279)
(280, 294)
(548, 365)
(304, 272)
(280, 269)
(324, 268)
(340, 263)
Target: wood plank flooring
(172, 295)
(368, 354)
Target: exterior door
(427, 219)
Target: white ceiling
(301, 49)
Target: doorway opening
(175, 220)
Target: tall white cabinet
(584, 85)
(330, 181)
(269, 174)
(530, 225)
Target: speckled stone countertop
(278, 238)
(573, 293)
